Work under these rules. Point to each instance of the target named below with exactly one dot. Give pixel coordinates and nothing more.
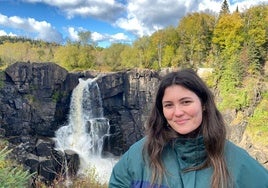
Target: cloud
(140, 17)
(3, 33)
(98, 37)
(245, 4)
(136, 17)
(208, 4)
(73, 34)
(107, 10)
(145, 17)
(29, 26)
(119, 37)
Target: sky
(109, 21)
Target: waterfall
(86, 129)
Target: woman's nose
(179, 111)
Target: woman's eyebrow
(167, 101)
(181, 99)
(186, 98)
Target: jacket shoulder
(129, 168)
(245, 170)
(137, 147)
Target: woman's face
(182, 109)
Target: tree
(172, 36)
(41, 54)
(145, 54)
(256, 25)
(256, 35)
(130, 57)
(67, 56)
(85, 38)
(228, 33)
(195, 31)
(237, 10)
(165, 42)
(85, 58)
(224, 8)
(112, 56)
(168, 55)
(158, 43)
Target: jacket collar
(191, 151)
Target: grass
(87, 181)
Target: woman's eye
(186, 102)
(167, 105)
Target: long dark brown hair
(212, 129)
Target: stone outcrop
(35, 100)
(29, 99)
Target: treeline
(13, 49)
(199, 40)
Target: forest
(233, 44)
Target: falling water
(86, 129)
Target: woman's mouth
(181, 121)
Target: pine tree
(237, 10)
(224, 8)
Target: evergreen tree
(237, 10)
(224, 8)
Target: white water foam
(86, 129)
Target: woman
(185, 144)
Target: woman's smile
(181, 121)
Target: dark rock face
(29, 99)
(35, 100)
(127, 99)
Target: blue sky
(109, 21)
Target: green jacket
(131, 170)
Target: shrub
(11, 176)
(257, 127)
